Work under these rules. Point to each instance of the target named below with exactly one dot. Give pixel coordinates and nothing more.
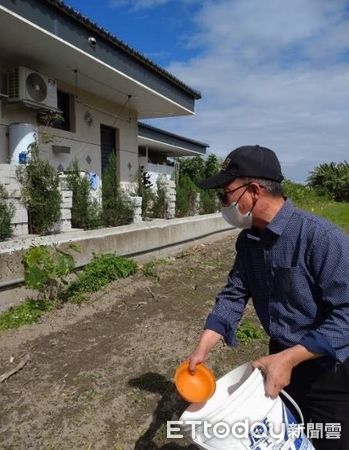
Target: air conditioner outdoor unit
(31, 88)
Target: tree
(116, 209)
(212, 165)
(331, 178)
(40, 192)
(86, 213)
(194, 168)
(191, 172)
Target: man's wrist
(298, 353)
(209, 339)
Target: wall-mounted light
(88, 118)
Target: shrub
(198, 168)
(99, 272)
(159, 207)
(191, 171)
(49, 118)
(303, 196)
(295, 191)
(40, 192)
(208, 202)
(7, 212)
(194, 168)
(185, 196)
(94, 217)
(46, 269)
(86, 213)
(116, 208)
(212, 166)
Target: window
(3, 84)
(142, 151)
(65, 105)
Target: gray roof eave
(88, 23)
(150, 132)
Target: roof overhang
(33, 35)
(169, 143)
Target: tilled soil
(100, 374)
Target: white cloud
(137, 5)
(273, 73)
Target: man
(295, 267)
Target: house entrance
(109, 143)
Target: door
(109, 143)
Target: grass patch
(98, 273)
(336, 212)
(248, 331)
(102, 270)
(308, 198)
(149, 268)
(26, 313)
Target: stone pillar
(9, 180)
(67, 203)
(129, 187)
(136, 203)
(170, 199)
(197, 204)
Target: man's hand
(277, 368)
(209, 339)
(198, 356)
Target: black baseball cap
(248, 161)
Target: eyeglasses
(223, 196)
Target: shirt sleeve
(231, 301)
(329, 262)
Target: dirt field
(100, 374)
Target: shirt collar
(279, 222)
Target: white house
(54, 59)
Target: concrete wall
(84, 141)
(142, 241)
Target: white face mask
(235, 218)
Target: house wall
(84, 141)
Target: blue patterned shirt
(297, 273)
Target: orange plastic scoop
(195, 388)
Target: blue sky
(270, 72)
(161, 30)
